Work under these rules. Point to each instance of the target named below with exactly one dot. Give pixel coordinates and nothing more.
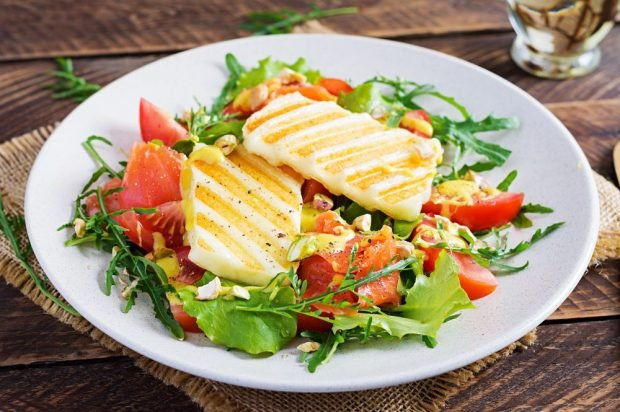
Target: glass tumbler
(559, 39)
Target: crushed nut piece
(322, 202)
(226, 143)
(79, 225)
(210, 291)
(362, 223)
(258, 96)
(240, 292)
(404, 249)
(288, 76)
(128, 289)
(309, 346)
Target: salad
(300, 205)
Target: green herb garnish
(283, 20)
(12, 225)
(68, 85)
(522, 221)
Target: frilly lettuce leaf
(252, 332)
(363, 99)
(430, 301)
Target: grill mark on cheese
(270, 183)
(405, 189)
(321, 141)
(259, 121)
(358, 155)
(366, 178)
(238, 189)
(224, 237)
(204, 245)
(252, 231)
(307, 122)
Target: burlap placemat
(16, 157)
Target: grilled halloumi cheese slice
(241, 214)
(389, 169)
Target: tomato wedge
(476, 280)
(484, 213)
(155, 123)
(187, 322)
(189, 272)
(310, 188)
(335, 86)
(152, 176)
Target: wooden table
(47, 365)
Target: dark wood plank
(25, 103)
(88, 386)
(39, 28)
(571, 367)
(597, 295)
(28, 335)
(492, 52)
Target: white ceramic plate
(552, 170)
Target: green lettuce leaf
(434, 298)
(268, 69)
(428, 303)
(363, 99)
(252, 332)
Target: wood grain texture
(39, 28)
(25, 102)
(111, 385)
(28, 335)
(570, 367)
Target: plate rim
(360, 384)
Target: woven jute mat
(16, 157)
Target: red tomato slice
(305, 322)
(312, 187)
(155, 123)
(112, 202)
(335, 86)
(152, 176)
(169, 220)
(483, 214)
(189, 272)
(476, 280)
(187, 322)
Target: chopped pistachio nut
(302, 247)
(209, 291)
(79, 225)
(362, 223)
(258, 95)
(322, 202)
(288, 76)
(309, 347)
(404, 249)
(240, 292)
(226, 144)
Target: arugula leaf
(504, 185)
(521, 221)
(235, 70)
(353, 210)
(12, 226)
(461, 134)
(283, 20)
(252, 332)
(68, 85)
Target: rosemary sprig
(68, 85)
(283, 20)
(12, 225)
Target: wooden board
(38, 28)
(571, 367)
